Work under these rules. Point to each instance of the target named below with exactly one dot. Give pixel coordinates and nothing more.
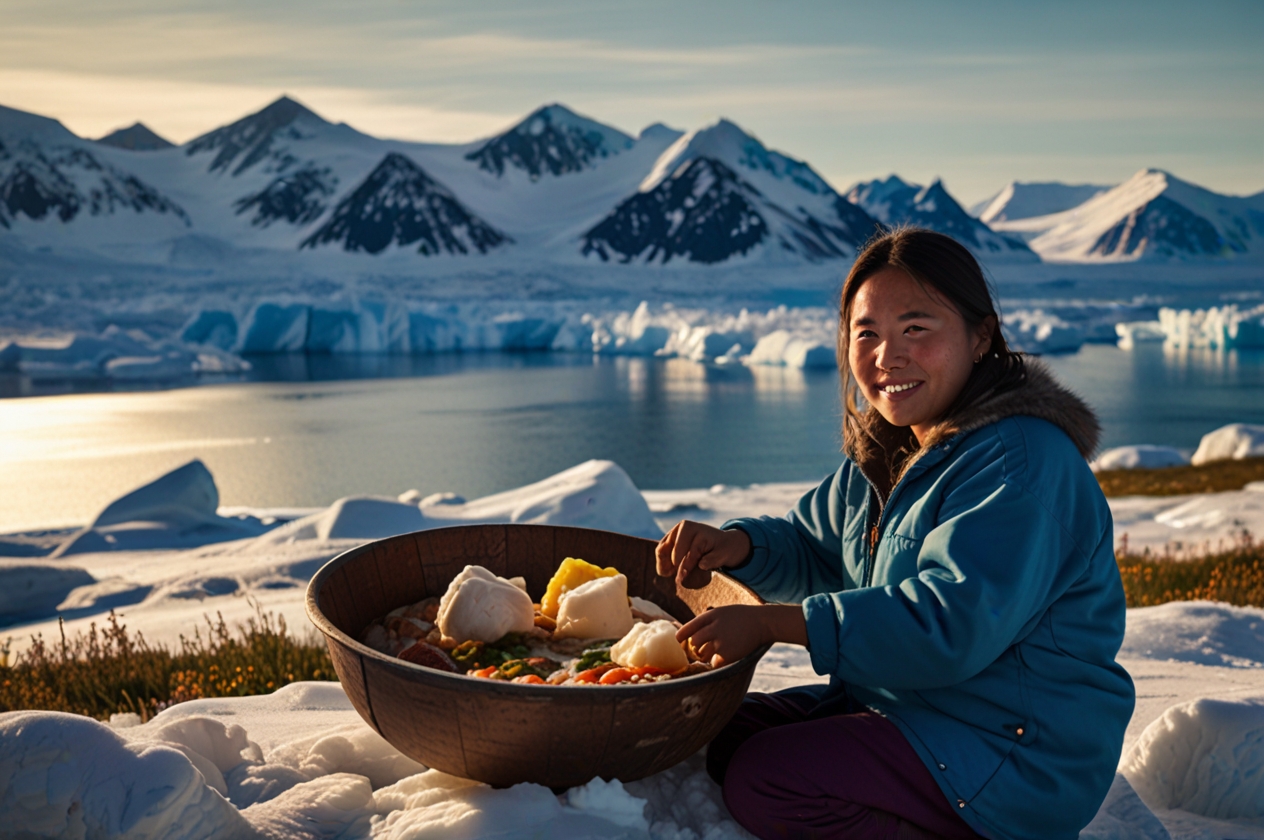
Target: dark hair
(943, 264)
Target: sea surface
(307, 430)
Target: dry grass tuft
(103, 672)
(1215, 477)
(1232, 573)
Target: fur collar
(885, 452)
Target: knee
(744, 782)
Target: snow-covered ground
(300, 763)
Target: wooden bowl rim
(327, 627)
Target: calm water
(321, 428)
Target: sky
(977, 93)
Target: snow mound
(177, 510)
(1123, 816)
(1139, 457)
(35, 589)
(1202, 632)
(63, 775)
(594, 494)
(1205, 757)
(1235, 441)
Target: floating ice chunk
(1142, 456)
(1235, 441)
(1132, 333)
(1219, 327)
(1038, 331)
(781, 347)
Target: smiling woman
(955, 579)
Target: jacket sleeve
(994, 562)
(798, 555)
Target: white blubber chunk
(650, 645)
(597, 609)
(482, 607)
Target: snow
(1141, 456)
(1201, 520)
(1196, 222)
(301, 763)
(1021, 200)
(1234, 441)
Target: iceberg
(1038, 331)
(1224, 327)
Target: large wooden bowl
(504, 733)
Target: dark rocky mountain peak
(553, 140)
(297, 197)
(702, 212)
(252, 139)
(400, 204)
(137, 137)
(894, 201)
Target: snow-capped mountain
(137, 137)
(1024, 200)
(286, 188)
(399, 204)
(49, 175)
(1153, 215)
(897, 202)
(717, 193)
(553, 140)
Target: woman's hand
(691, 551)
(726, 634)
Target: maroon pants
(792, 766)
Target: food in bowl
(585, 631)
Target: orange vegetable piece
(529, 679)
(594, 674)
(486, 673)
(616, 675)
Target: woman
(955, 579)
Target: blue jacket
(985, 621)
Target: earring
(979, 359)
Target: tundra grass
(1215, 477)
(113, 670)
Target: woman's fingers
(663, 551)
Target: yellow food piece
(571, 574)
